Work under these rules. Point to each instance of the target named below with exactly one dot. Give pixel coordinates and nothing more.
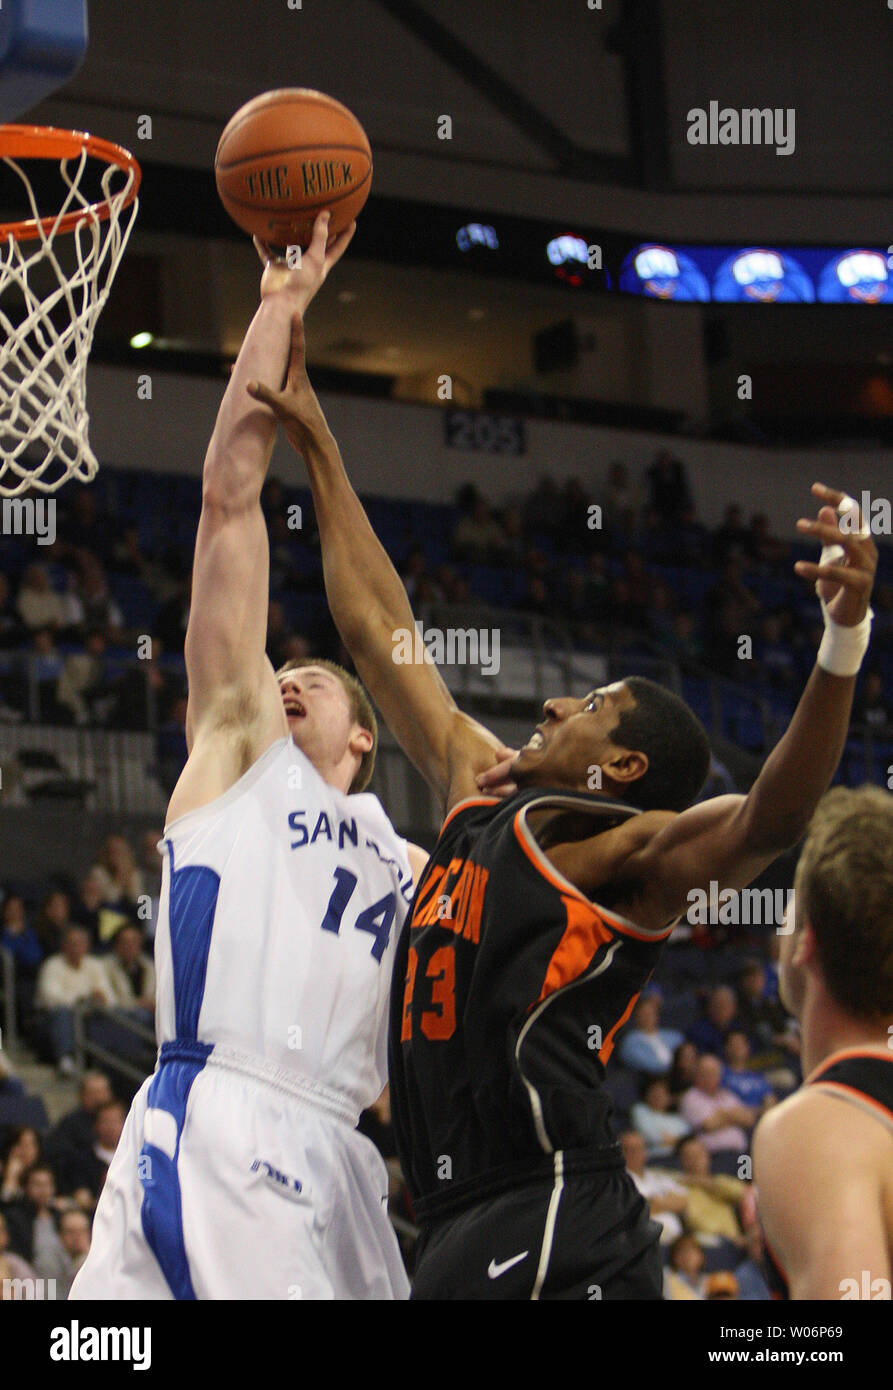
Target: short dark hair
(843, 886)
(674, 741)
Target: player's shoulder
(807, 1131)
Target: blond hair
(361, 711)
(843, 887)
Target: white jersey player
(240, 1173)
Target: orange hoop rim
(46, 142)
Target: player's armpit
(817, 1171)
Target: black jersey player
(541, 917)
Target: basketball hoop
(43, 363)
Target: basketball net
(43, 360)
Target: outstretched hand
(845, 583)
(306, 278)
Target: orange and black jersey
(862, 1078)
(510, 988)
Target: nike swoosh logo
(494, 1270)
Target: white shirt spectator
(61, 985)
(655, 1183)
(123, 994)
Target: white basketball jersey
(280, 908)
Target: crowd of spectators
(49, 1186)
(687, 1098)
(625, 557)
(88, 943)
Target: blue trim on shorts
(193, 903)
(161, 1212)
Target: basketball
(285, 157)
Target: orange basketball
(285, 157)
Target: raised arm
(234, 703)
(731, 839)
(370, 606)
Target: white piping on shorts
(549, 1231)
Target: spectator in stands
(668, 490)
(576, 514)
(46, 665)
(31, 1218)
(871, 706)
(666, 1199)
(88, 1165)
(683, 1277)
(683, 642)
(514, 537)
(23, 944)
(283, 569)
(631, 591)
(715, 1114)
(72, 976)
(660, 624)
(38, 604)
(12, 629)
(733, 538)
(172, 617)
(622, 501)
(763, 1017)
(74, 1238)
(12, 1266)
(655, 1118)
(597, 587)
(647, 1047)
(84, 687)
(74, 1133)
(127, 557)
(170, 745)
(86, 528)
(739, 1077)
(418, 583)
(544, 510)
(131, 975)
(53, 920)
(122, 880)
(710, 1032)
(537, 598)
(479, 537)
(763, 546)
(752, 1286)
(23, 1150)
(88, 905)
(730, 610)
(775, 653)
(717, 1203)
(682, 1073)
(144, 690)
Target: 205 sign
(490, 434)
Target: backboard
(42, 45)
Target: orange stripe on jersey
(607, 1046)
(542, 864)
(463, 805)
(855, 1094)
(845, 1054)
(584, 934)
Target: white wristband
(842, 648)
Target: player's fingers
(852, 542)
(828, 494)
(297, 352)
(847, 575)
(317, 247)
(340, 245)
(265, 395)
(263, 250)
